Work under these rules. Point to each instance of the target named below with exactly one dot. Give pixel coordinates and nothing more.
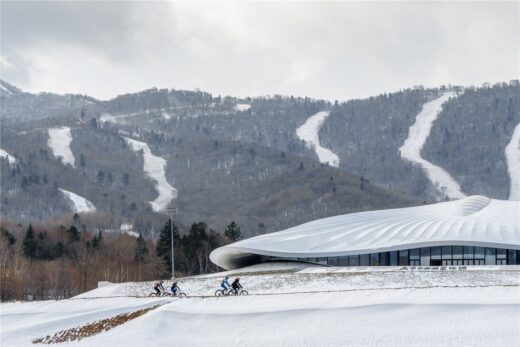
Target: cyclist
(236, 285)
(158, 287)
(174, 288)
(225, 284)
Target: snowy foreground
(309, 307)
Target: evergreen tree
(97, 240)
(164, 245)
(73, 233)
(29, 243)
(233, 232)
(141, 250)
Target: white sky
(331, 50)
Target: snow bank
(11, 159)
(417, 136)
(79, 203)
(24, 321)
(242, 107)
(59, 142)
(309, 133)
(154, 167)
(513, 164)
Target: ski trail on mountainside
(10, 159)
(513, 164)
(79, 203)
(417, 136)
(309, 133)
(59, 142)
(155, 168)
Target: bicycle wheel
(219, 292)
(182, 295)
(232, 292)
(153, 294)
(244, 292)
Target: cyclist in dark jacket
(236, 285)
(158, 287)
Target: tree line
(63, 262)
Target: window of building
(468, 252)
(333, 261)
(343, 261)
(353, 260)
(512, 259)
(425, 256)
(446, 252)
(384, 258)
(436, 253)
(363, 260)
(403, 257)
(394, 258)
(490, 256)
(457, 252)
(479, 252)
(374, 259)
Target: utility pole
(172, 211)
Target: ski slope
(309, 133)
(59, 142)
(316, 306)
(417, 136)
(513, 164)
(242, 107)
(155, 168)
(10, 159)
(79, 203)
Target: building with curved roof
(472, 231)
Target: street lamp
(172, 211)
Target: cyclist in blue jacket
(225, 284)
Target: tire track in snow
(59, 142)
(155, 168)
(417, 136)
(512, 152)
(79, 203)
(309, 133)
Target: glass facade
(426, 256)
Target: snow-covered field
(309, 133)
(417, 136)
(513, 164)
(11, 159)
(79, 203)
(59, 142)
(310, 307)
(155, 168)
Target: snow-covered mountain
(267, 162)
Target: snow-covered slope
(242, 107)
(79, 203)
(309, 133)
(11, 159)
(59, 142)
(513, 164)
(392, 308)
(411, 149)
(155, 167)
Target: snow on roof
(475, 220)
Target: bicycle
(238, 291)
(166, 293)
(222, 292)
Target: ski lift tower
(172, 211)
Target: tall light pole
(172, 211)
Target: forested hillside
(226, 158)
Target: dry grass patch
(78, 333)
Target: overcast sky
(324, 50)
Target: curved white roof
(472, 221)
